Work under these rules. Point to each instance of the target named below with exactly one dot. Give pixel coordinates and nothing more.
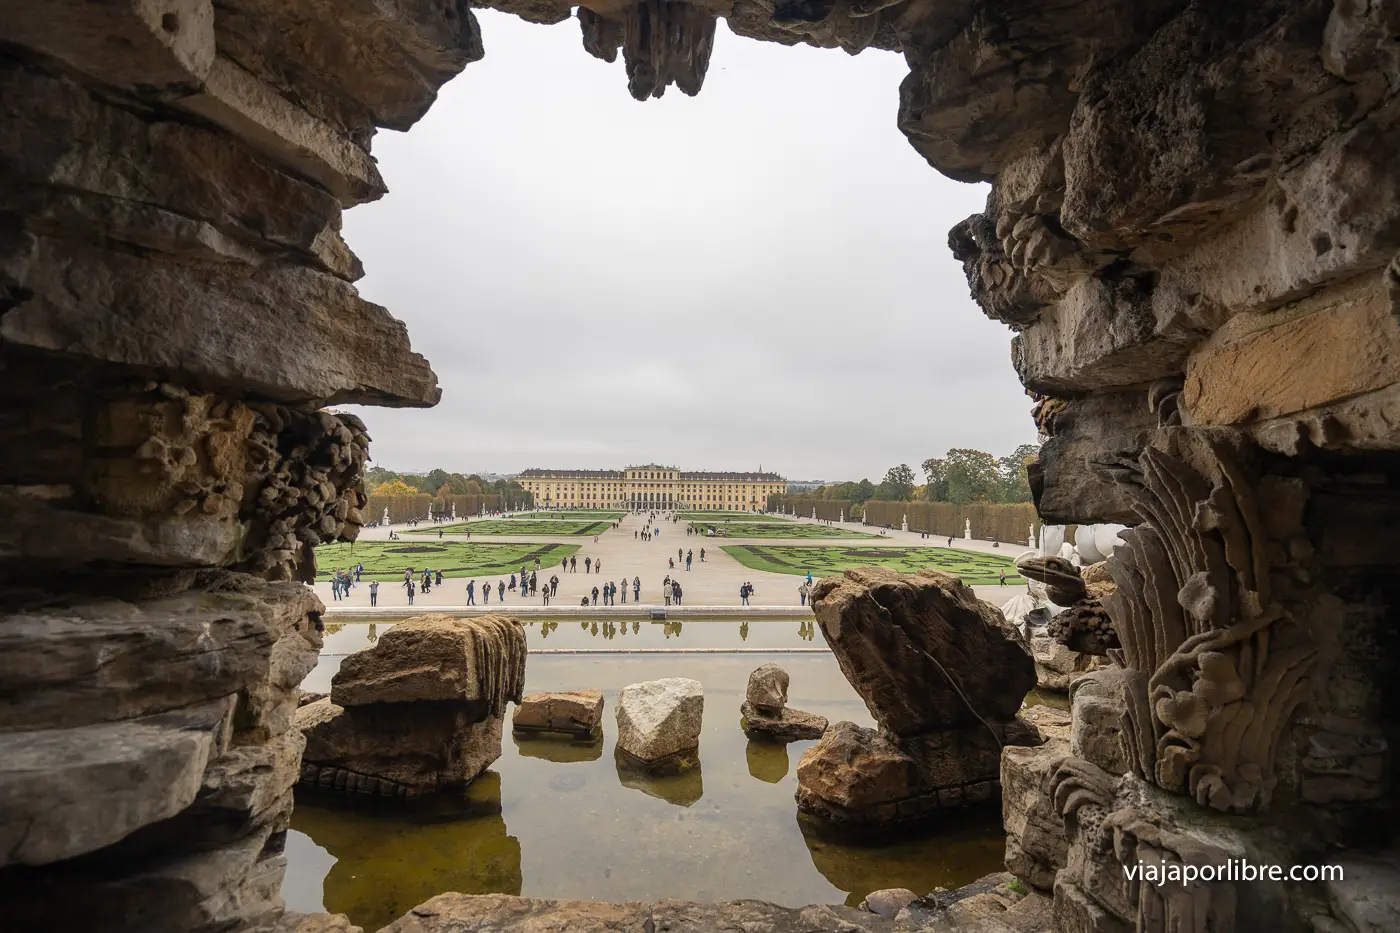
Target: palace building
(651, 487)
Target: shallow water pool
(562, 819)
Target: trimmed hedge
(827, 509)
(990, 522)
(404, 508)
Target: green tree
(898, 484)
(1015, 486)
(936, 469)
(973, 476)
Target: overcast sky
(755, 276)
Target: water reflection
(768, 761)
(589, 829)
(682, 788)
(963, 846)
(559, 749)
(391, 856)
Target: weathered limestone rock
(888, 901)
(579, 712)
(420, 711)
(943, 674)
(660, 719)
(71, 791)
(1096, 733)
(767, 689)
(1058, 666)
(663, 42)
(921, 650)
(437, 658)
(1036, 842)
(293, 922)
(788, 725)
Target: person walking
(1003, 576)
(598, 565)
(335, 587)
(359, 570)
(437, 578)
(501, 590)
(802, 593)
(743, 594)
(587, 565)
(636, 589)
(702, 555)
(688, 556)
(511, 587)
(666, 591)
(679, 554)
(553, 584)
(486, 593)
(573, 564)
(471, 592)
(546, 602)
(534, 583)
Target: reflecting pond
(565, 819)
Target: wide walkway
(713, 582)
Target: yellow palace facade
(651, 487)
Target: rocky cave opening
(1193, 229)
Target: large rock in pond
(787, 725)
(421, 711)
(768, 689)
(579, 712)
(660, 719)
(436, 657)
(944, 675)
(922, 651)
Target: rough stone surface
(921, 650)
(579, 712)
(1036, 842)
(660, 718)
(437, 657)
(767, 689)
(789, 725)
(888, 901)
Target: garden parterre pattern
(975, 569)
(517, 526)
(701, 516)
(386, 560)
(777, 529)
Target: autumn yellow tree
(397, 488)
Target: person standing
(680, 554)
(743, 594)
(636, 589)
(702, 555)
(501, 590)
(587, 565)
(573, 564)
(546, 602)
(595, 596)
(409, 584)
(598, 565)
(554, 584)
(437, 578)
(624, 591)
(335, 587)
(666, 591)
(374, 592)
(486, 593)
(802, 593)
(676, 591)
(471, 592)
(688, 556)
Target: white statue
(385, 520)
(1051, 537)
(1030, 541)
(454, 511)
(904, 522)
(967, 529)
(1097, 542)
(814, 513)
(843, 516)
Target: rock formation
(420, 711)
(942, 673)
(1191, 227)
(658, 723)
(766, 715)
(577, 713)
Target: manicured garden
(532, 527)
(975, 569)
(702, 516)
(779, 529)
(597, 515)
(386, 560)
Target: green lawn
(974, 568)
(532, 527)
(386, 560)
(601, 515)
(731, 517)
(779, 530)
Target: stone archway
(1193, 228)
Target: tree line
(440, 483)
(961, 476)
